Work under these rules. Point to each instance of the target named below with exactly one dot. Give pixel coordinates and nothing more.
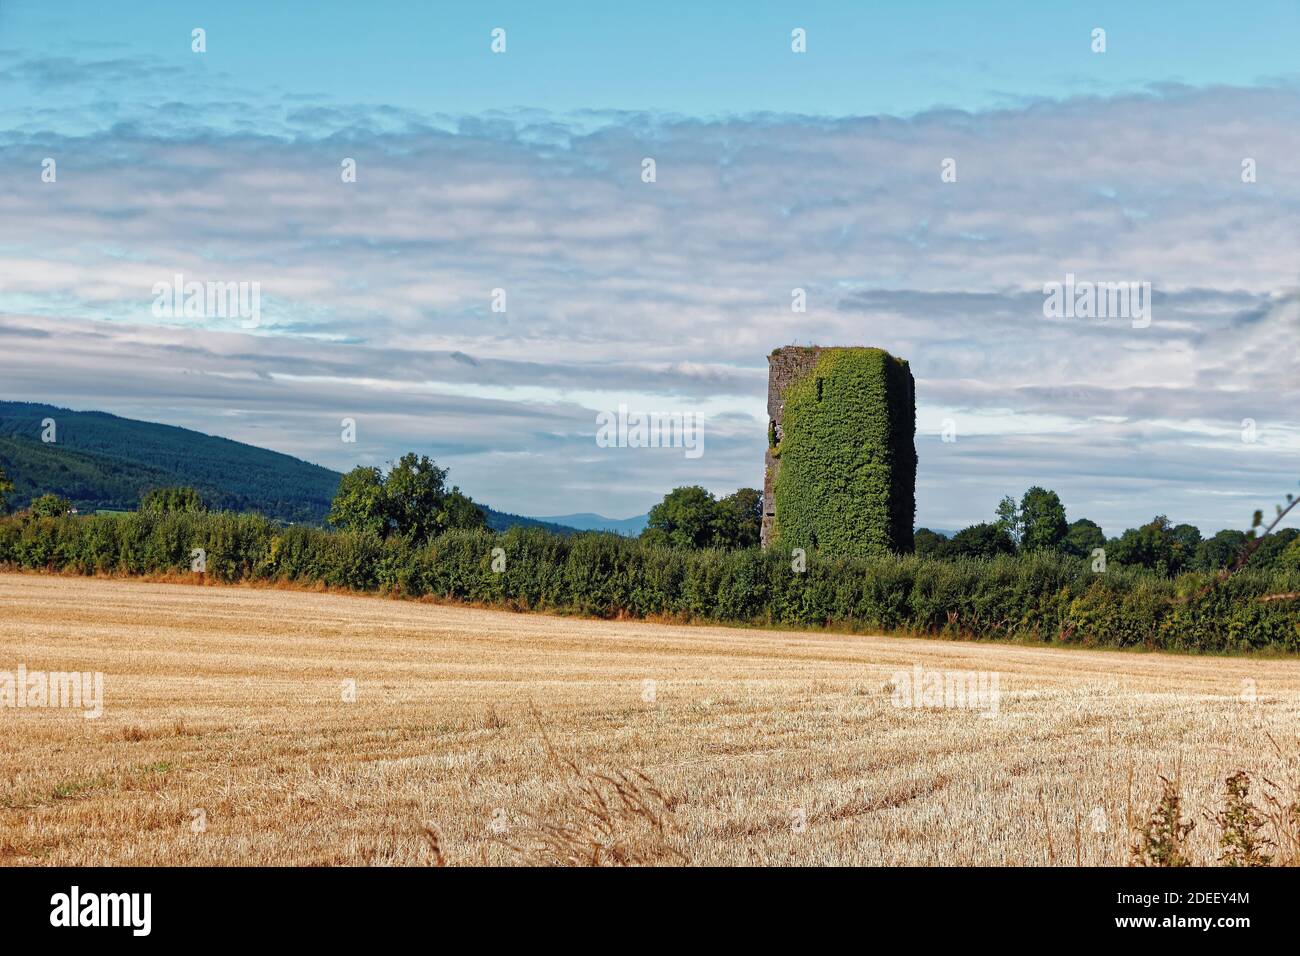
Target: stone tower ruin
(841, 453)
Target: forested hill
(100, 462)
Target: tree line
(412, 499)
(691, 517)
(1037, 522)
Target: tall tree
(1184, 539)
(459, 511)
(1042, 520)
(686, 518)
(412, 499)
(1272, 548)
(415, 490)
(1150, 546)
(360, 504)
(690, 517)
(980, 541)
(1083, 537)
(1008, 519)
(740, 518)
(930, 544)
(1220, 550)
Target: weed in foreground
(1240, 825)
(1162, 840)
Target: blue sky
(683, 57)
(775, 171)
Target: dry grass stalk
(1282, 811)
(433, 836)
(606, 819)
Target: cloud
(377, 295)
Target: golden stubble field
(227, 738)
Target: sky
(922, 173)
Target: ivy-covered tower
(841, 451)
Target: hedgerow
(1043, 596)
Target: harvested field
(227, 738)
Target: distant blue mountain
(586, 521)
